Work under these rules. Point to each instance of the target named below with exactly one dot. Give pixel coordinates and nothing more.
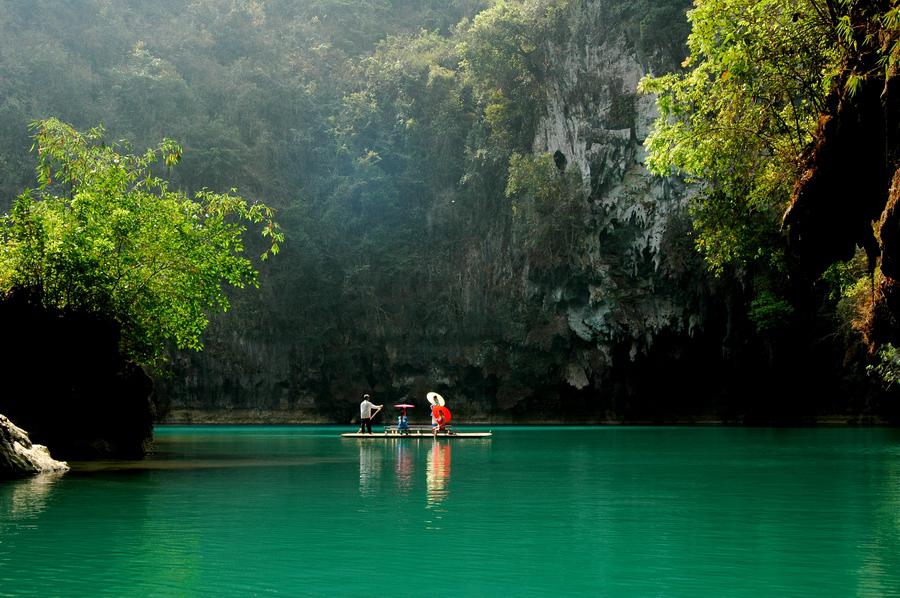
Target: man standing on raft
(365, 415)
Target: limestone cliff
(596, 120)
(522, 341)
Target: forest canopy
(465, 188)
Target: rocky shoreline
(20, 457)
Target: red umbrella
(404, 406)
(438, 410)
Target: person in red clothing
(439, 423)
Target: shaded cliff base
(676, 384)
(305, 417)
(244, 417)
(728, 374)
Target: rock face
(884, 322)
(849, 187)
(18, 456)
(594, 117)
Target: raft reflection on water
(369, 468)
(438, 472)
(406, 456)
(403, 468)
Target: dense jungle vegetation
(465, 205)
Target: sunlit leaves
(104, 233)
(887, 369)
(737, 121)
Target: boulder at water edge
(18, 456)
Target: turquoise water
(531, 512)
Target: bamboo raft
(417, 432)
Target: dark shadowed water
(531, 512)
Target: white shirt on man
(365, 409)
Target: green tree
(737, 121)
(550, 211)
(752, 122)
(503, 53)
(103, 233)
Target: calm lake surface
(531, 512)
